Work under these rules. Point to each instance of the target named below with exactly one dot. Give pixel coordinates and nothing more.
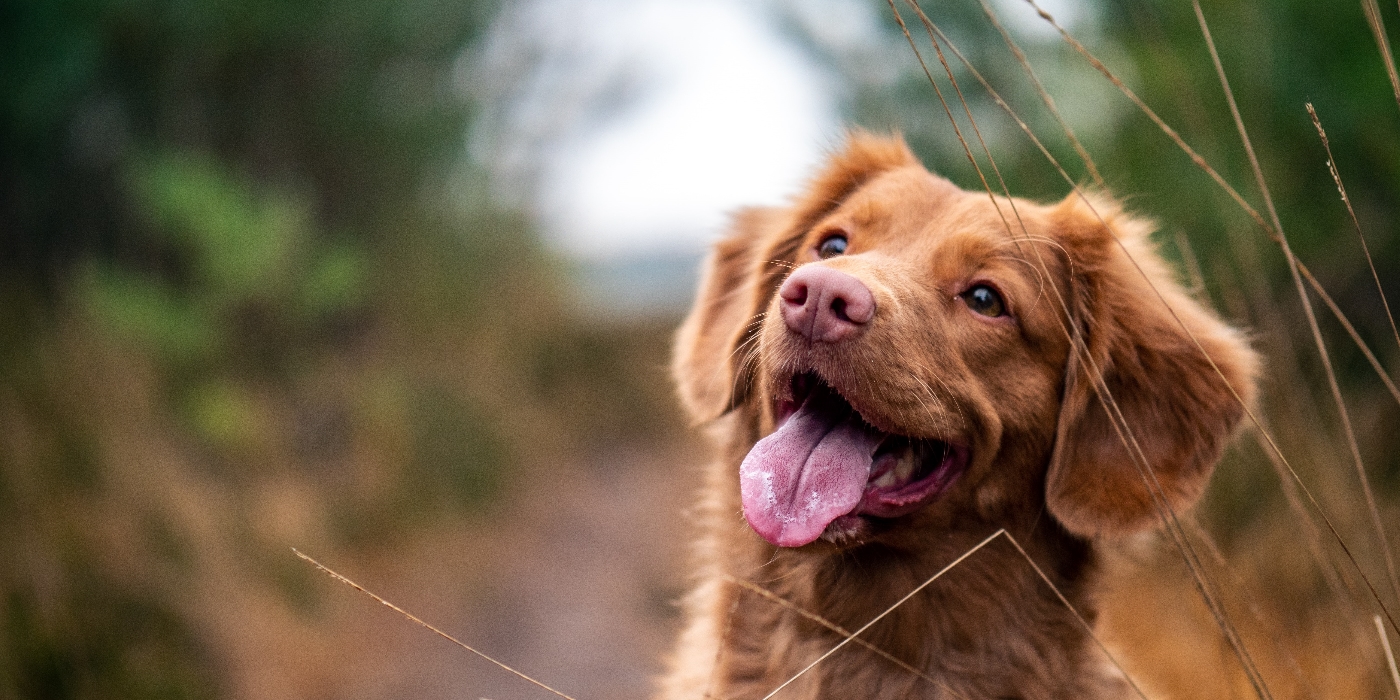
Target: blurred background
(393, 282)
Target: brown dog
(888, 369)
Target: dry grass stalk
(1193, 266)
(413, 618)
(1365, 249)
(1307, 308)
(1205, 587)
(1295, 265)
(1201, 163)
(1196, 159)
(852, 636)
(1373, 18)
(1389, 655)
(887, 611)
(1044, 95)
(769, 595)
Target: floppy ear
(708, 366)
(746, 267)
(1175, 407)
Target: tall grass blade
(1373, 18)
(1341, 189)
(1200, 162)
(785, 603)
(1389, 655)
(1206, 588)
(1307, 306)
(1356, 337)
(1311, 534)
(927, 582)
(967, 150)
(1193, 266)
(1302, 269)
(411, 617)
(1090, 628)
(1044, 95)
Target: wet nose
(825, 305)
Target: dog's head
(912, 352)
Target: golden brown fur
(1046, 462)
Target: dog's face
(913, 337)
(907, 351)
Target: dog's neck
(988, 627)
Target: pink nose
(825, 305)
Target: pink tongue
(809, 472)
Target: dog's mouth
(826, 466)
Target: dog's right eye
(831, 246)
(984, 300)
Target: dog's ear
(708, 364)
(746, 267)
(1174, 405)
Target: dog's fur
(1046, 464)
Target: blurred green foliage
(1278, 55)
(253, 293)
(122, 646)
(263, 213)
(215, 183)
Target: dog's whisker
(756, 323)
(928, 409)
(951, 397)
(1036, 238)
(747, 352)
(1039, 278)
(751, 339)
(780, 577)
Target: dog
(892, 369)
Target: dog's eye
(984, 300)
(831, 246)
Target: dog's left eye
(831, 246)
(985, 301)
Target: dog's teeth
(905, 465)
(904, 468)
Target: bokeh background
(393, 282)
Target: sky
(739, 119)
(697, 107)
(632, 128)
